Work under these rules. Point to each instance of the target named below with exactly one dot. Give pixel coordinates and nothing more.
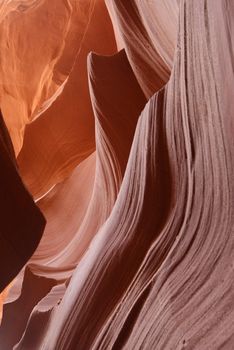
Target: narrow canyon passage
(117, 192)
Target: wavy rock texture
(130, 159)
(147, 30)
(68, 125)
(38, 43)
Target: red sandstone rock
(138, 196)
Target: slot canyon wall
(117, 174)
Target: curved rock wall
(121, 117)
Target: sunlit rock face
(117, 190)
